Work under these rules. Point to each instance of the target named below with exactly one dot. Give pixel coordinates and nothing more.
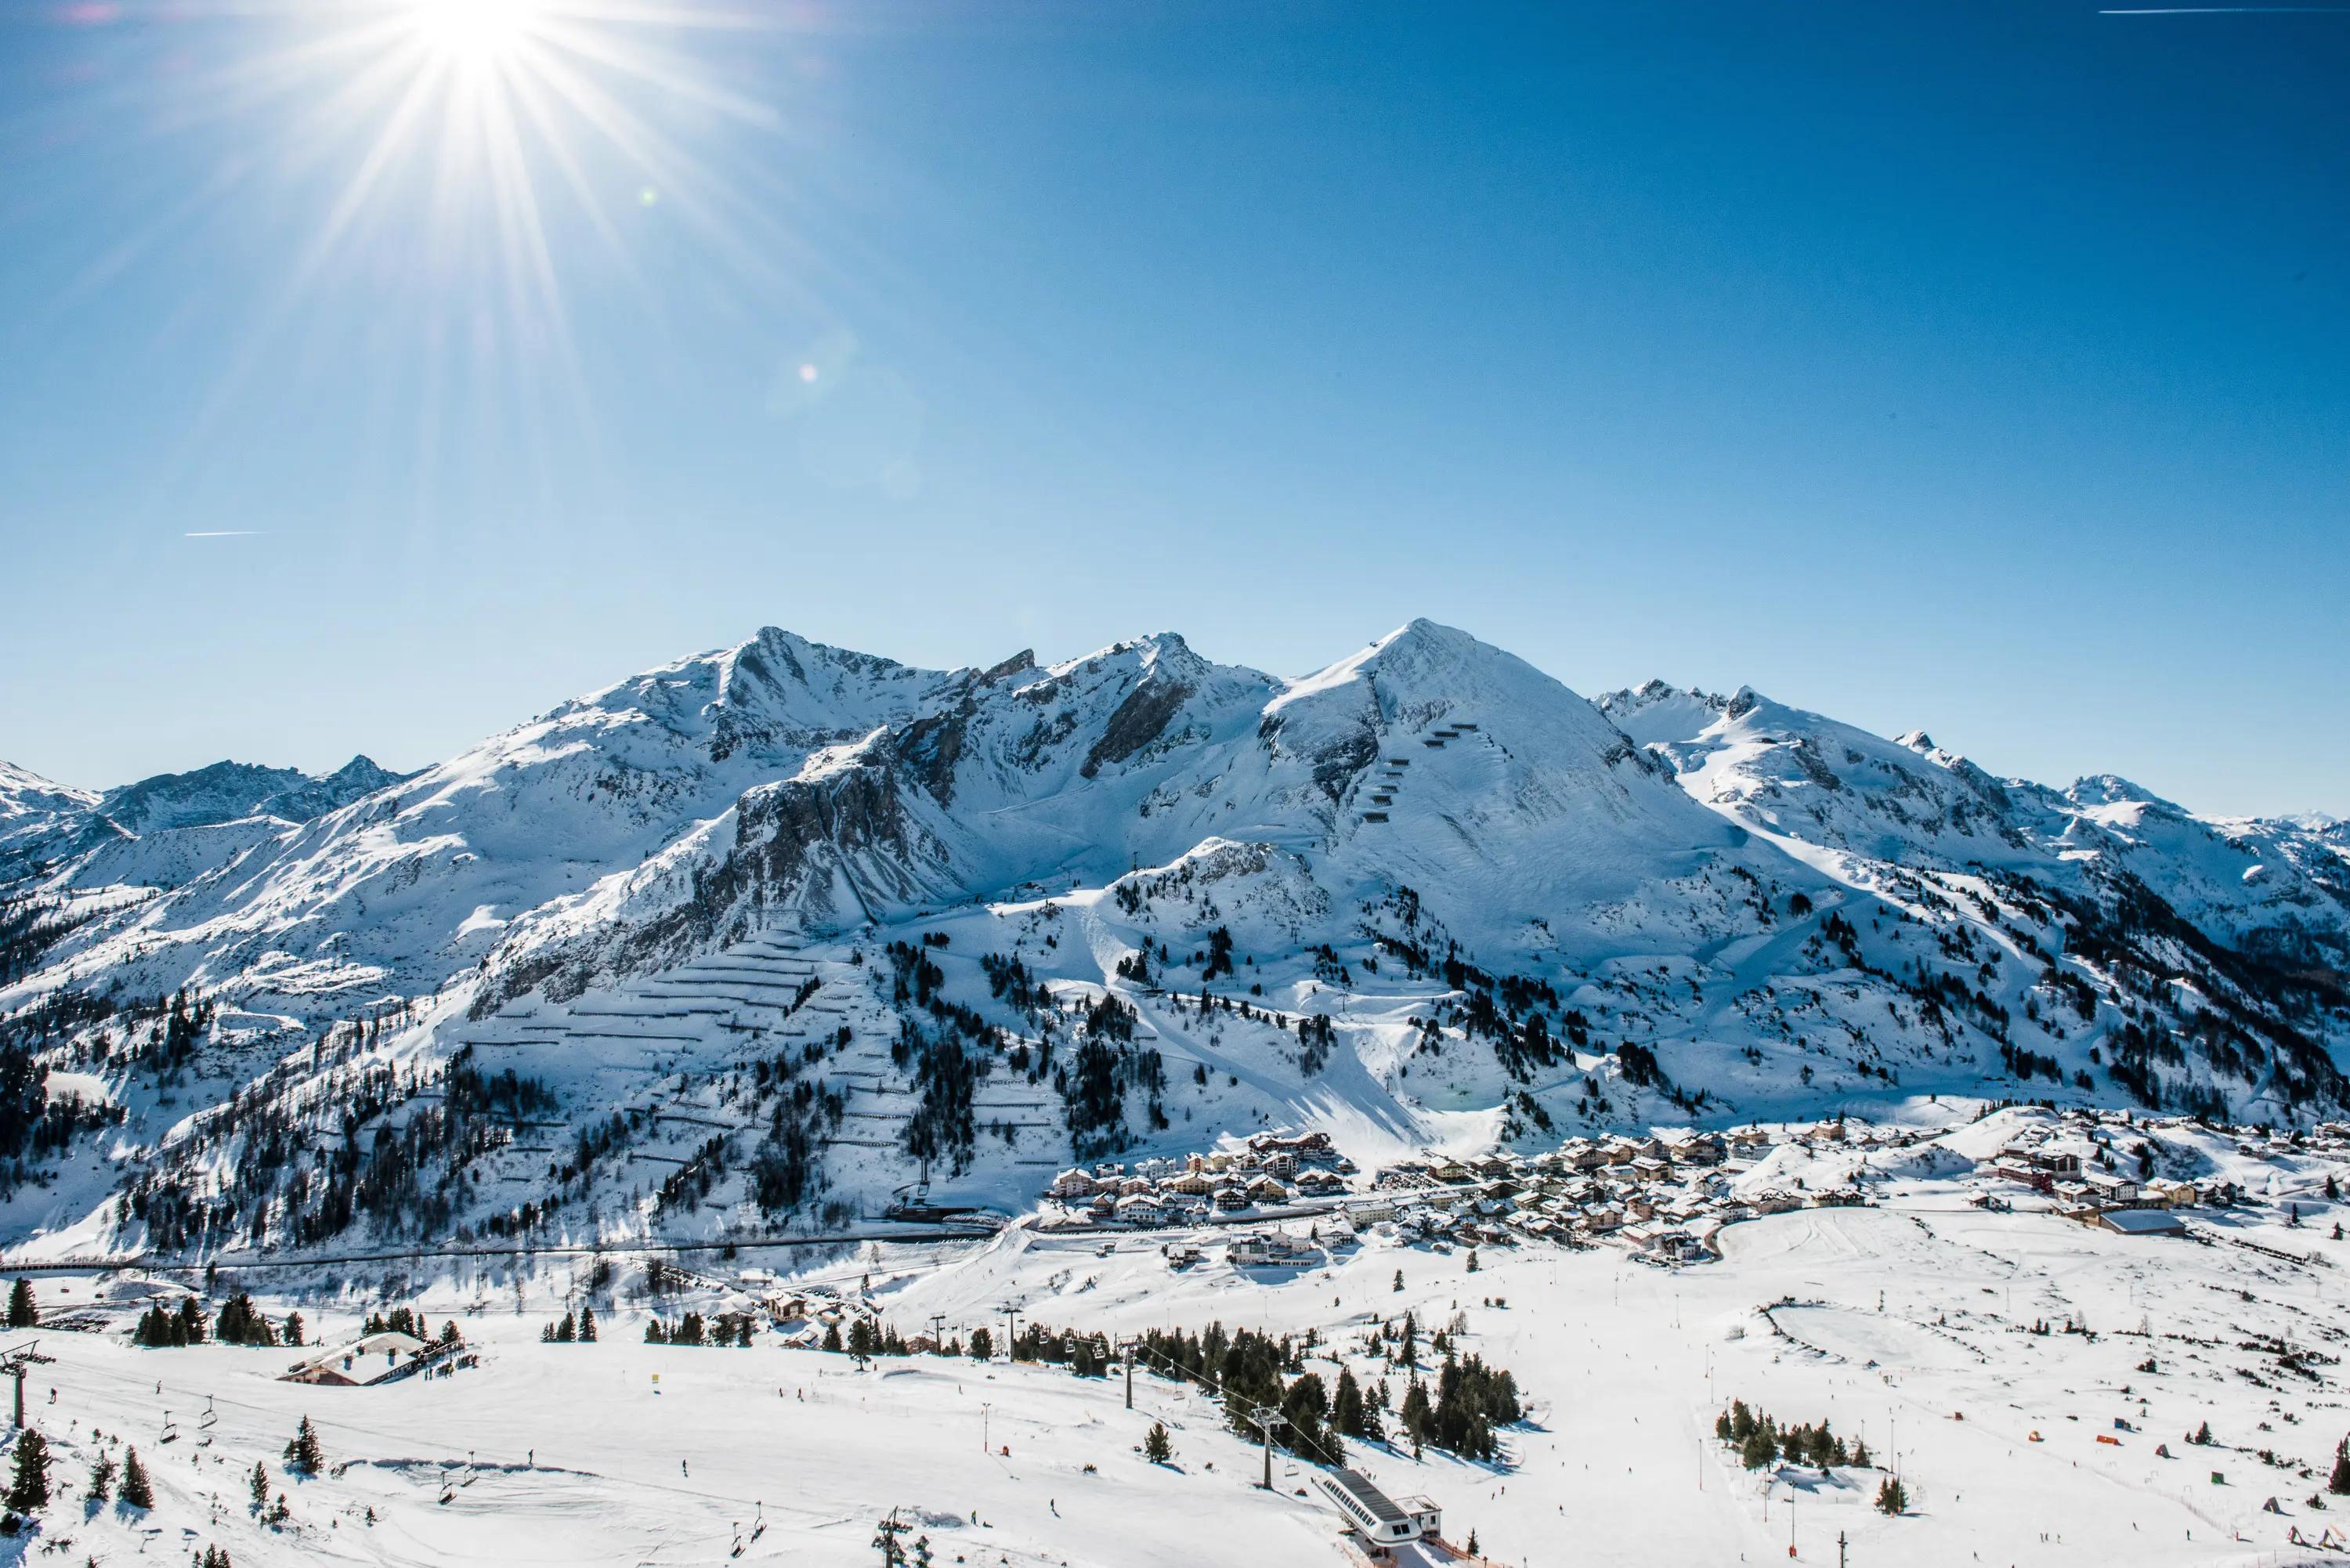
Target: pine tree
(1473, 1543)
(1417, 1416)
(304, 1453)
(101, 1479)
(29, 1492)
(1472, 1260)
(1347, 1405)
(2338, 1484)
(22, 1313)
(137, 1491)
(832, 1337)
(260, 1485)
(587, 1324)
(1891, 1497)
(1398, 1281)
(1156, 1445)
(293, 1328)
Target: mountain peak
(2111, 789)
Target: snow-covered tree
(29, 1490)
(137, 1490)
(303, 1453)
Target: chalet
(1676, 1246)
(1272, 1247)
(1073, 1183)
(1265, 1189)
(358, 1363)
(1313, 1145)
(2110, 1187)
(1706, 1149)
(1231, 1197)
(2052, 1160)
(1141, 1208)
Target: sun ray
(459, 175)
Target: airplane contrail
(226, 534)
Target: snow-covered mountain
(2278, 886)
(36, 815)
(877, 920)
(188, 823)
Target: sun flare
(475, 34)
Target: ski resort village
(789, 1107)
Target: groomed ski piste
(2036, 1384)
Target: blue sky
(1982, 368)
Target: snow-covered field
(1907, 1326)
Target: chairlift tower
(1264, 1419)
(885, 1537)
(18, 1362)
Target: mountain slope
(827, 926)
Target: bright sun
(476, 33)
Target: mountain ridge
(1425, 887)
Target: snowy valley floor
(1905, 1318)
